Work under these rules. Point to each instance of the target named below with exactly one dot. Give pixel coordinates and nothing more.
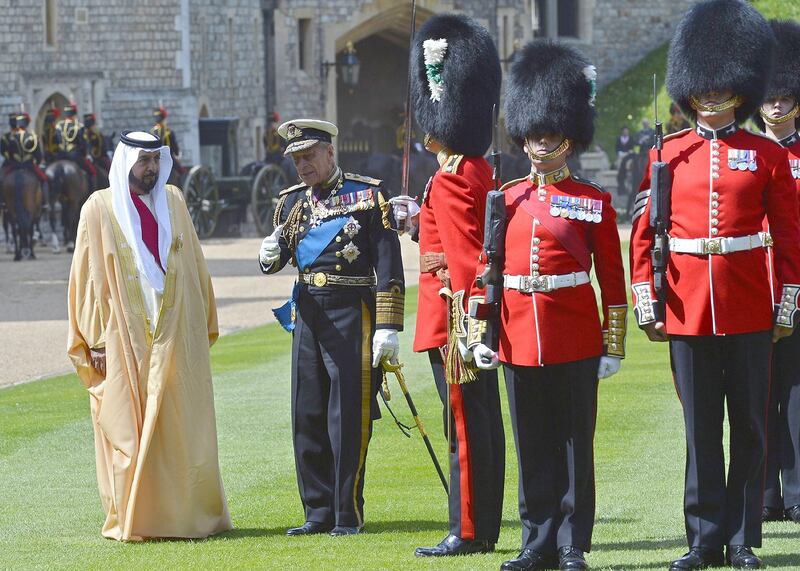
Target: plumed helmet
(455, 82)
(785, 78)
(550, 90)
(720, 45)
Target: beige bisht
(153, 414)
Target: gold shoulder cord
(292, 226)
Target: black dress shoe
(698, 558)
(742, 557)
(772, 514)
(793, 513)
(454, 545)
(571, 559)
(309, 528)
(528, 560)
(340, 530)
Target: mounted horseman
(72, 175)
(22, 185)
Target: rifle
(660, 199)
(494, 236)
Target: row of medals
(584, 209)
(794, 164)
(742, 160)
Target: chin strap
(560, 150)
(780, 120)
(734, 101)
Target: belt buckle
(320, 279)
(541, 284)
(712, 245)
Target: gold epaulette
(588, 182)
(361, 178)
(450, 166)
(291, 189)
(511, 183)
(677, 134)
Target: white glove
(270, 249)
(385, 345)
(466, 353)
(608, 366)
(485, 358)
(406, 212)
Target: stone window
(556, 18)
(50, 23)
(304, 44)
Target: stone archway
(369, 115)
(55, 99)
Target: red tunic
(720, 294)
(792, 145)
(546, 328)
(451, 222)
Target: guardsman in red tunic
(553, 345)
(778, 118)
(455, 83)
(719, 315)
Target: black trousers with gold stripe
(477, 453)
(333, 401)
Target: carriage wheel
(202, 200)
(268, 183)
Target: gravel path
(33, 311)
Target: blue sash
(317, 239)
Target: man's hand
(270, 249)
(608, 366)
(779, 332)
(385, 345)
(98, 358)
(656, 331)
(406, 212)
(485, 358)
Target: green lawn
(629, 99)
(50, 515)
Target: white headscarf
(128, 217)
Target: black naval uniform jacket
(365, 244)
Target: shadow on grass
(642, 545)
(790, 560)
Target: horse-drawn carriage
(218, 194)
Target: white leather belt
(721, 246)
(530, 284)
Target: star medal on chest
(352, 227)
(350, 252)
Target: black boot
(529, 560)
(742, 557)
(454, 545)
(698, 558)
(571, 559)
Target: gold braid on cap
(734, 101)
(780, 120)
(560, 150)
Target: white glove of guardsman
(385, 345)
(270, 250)
(406, 212)
(608, 366)
(485, 358)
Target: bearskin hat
(785, 78)
(720, 45)
(550, 89)
(455, 82)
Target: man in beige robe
(142, 316)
